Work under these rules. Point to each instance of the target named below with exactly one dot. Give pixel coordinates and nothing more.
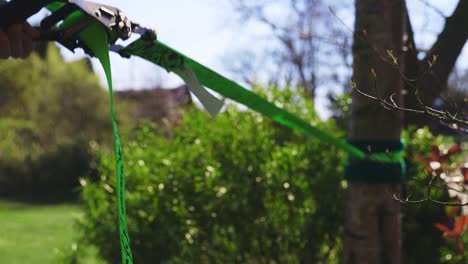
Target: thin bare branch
(433, 8)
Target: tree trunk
(372, 228)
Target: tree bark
(372, 228)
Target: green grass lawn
(38, 233)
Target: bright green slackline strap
(173, 61)
(95, 38)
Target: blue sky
(209, 31)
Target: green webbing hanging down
(173, 61)
(95, 38)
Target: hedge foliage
(237, 188)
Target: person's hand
(17, 41)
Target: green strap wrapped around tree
(174, 61)
(358, 170)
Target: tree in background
(426, 79)
(308, 46)
(381, 64)
(372, 225)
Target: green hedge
(234, 189)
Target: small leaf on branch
(374, 73)
(392, 56)
(434, 59)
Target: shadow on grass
(42, 197)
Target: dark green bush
(50, 110)
(55, 172)
(236, 189)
